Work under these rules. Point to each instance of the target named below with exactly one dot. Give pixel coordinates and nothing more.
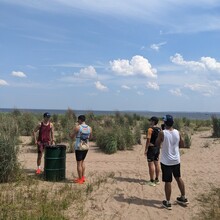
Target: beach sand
(125, 195)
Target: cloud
(205, 63)
(125, 87)
(18, 74)
(152, 85)
(87, 73)
(205, 89)
(157, 46)
(193, 65)
(211, 63)
(3, 82)
(100, 86)
(176, 92)
(138, 65)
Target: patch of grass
(29, 199)
(210, 203)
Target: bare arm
(90, 135)
(149, 133)
(52, 133)
(75, 132)
(35, 132)
(159, 139)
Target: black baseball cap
(168, 120)
(154, 118)
(47, 115)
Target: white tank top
(170, 148)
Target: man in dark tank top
(45, 137)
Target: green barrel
(55, 162)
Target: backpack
(84, 133)
(154, 134)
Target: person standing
(152, 151)
(81, 128)
(170, 141)
(45, 137)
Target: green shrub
(216, 126)
(9, 165)
(111, 145)
(187, 140)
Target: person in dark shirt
(45, 137)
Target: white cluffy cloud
(138, 65)
(205, 63)
(152, 85)
(157, 46)
(18, 74)
(125, 87)
(3, 82)
(100, 86)
(87, 72)
(176, 92)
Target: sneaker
(157, 182)
(79, 181)
(182, 200)
(166, 205)
(83, 179)
(151, 183)
(38, 171)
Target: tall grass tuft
(216, 126)
(9, 165)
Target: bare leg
(79, 169)
(39, 156)
(151, 170)
(157, 169)
(167, 188)
(83, 168)
(181, 185)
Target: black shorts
(153, 154)
(80, 154)
(169, 171)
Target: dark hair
(82, 118)
(154, 119)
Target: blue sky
(110, 55)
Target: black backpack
(154, 135)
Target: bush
(216, 126)
(9, 165)
(187, 141)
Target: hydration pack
(154, 134)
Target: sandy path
(125, 196)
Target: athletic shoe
(182, 200)
(157, 182)
(151, 183)
(166, 205)
(83, 179)
(38, 171)
(79, 181)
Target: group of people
(45, 131)
(164, 142)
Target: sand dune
(126, 196)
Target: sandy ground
(126, 196)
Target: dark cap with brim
(47, 115)
(155, 119)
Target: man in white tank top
(170, 141)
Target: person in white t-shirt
(170, 141)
